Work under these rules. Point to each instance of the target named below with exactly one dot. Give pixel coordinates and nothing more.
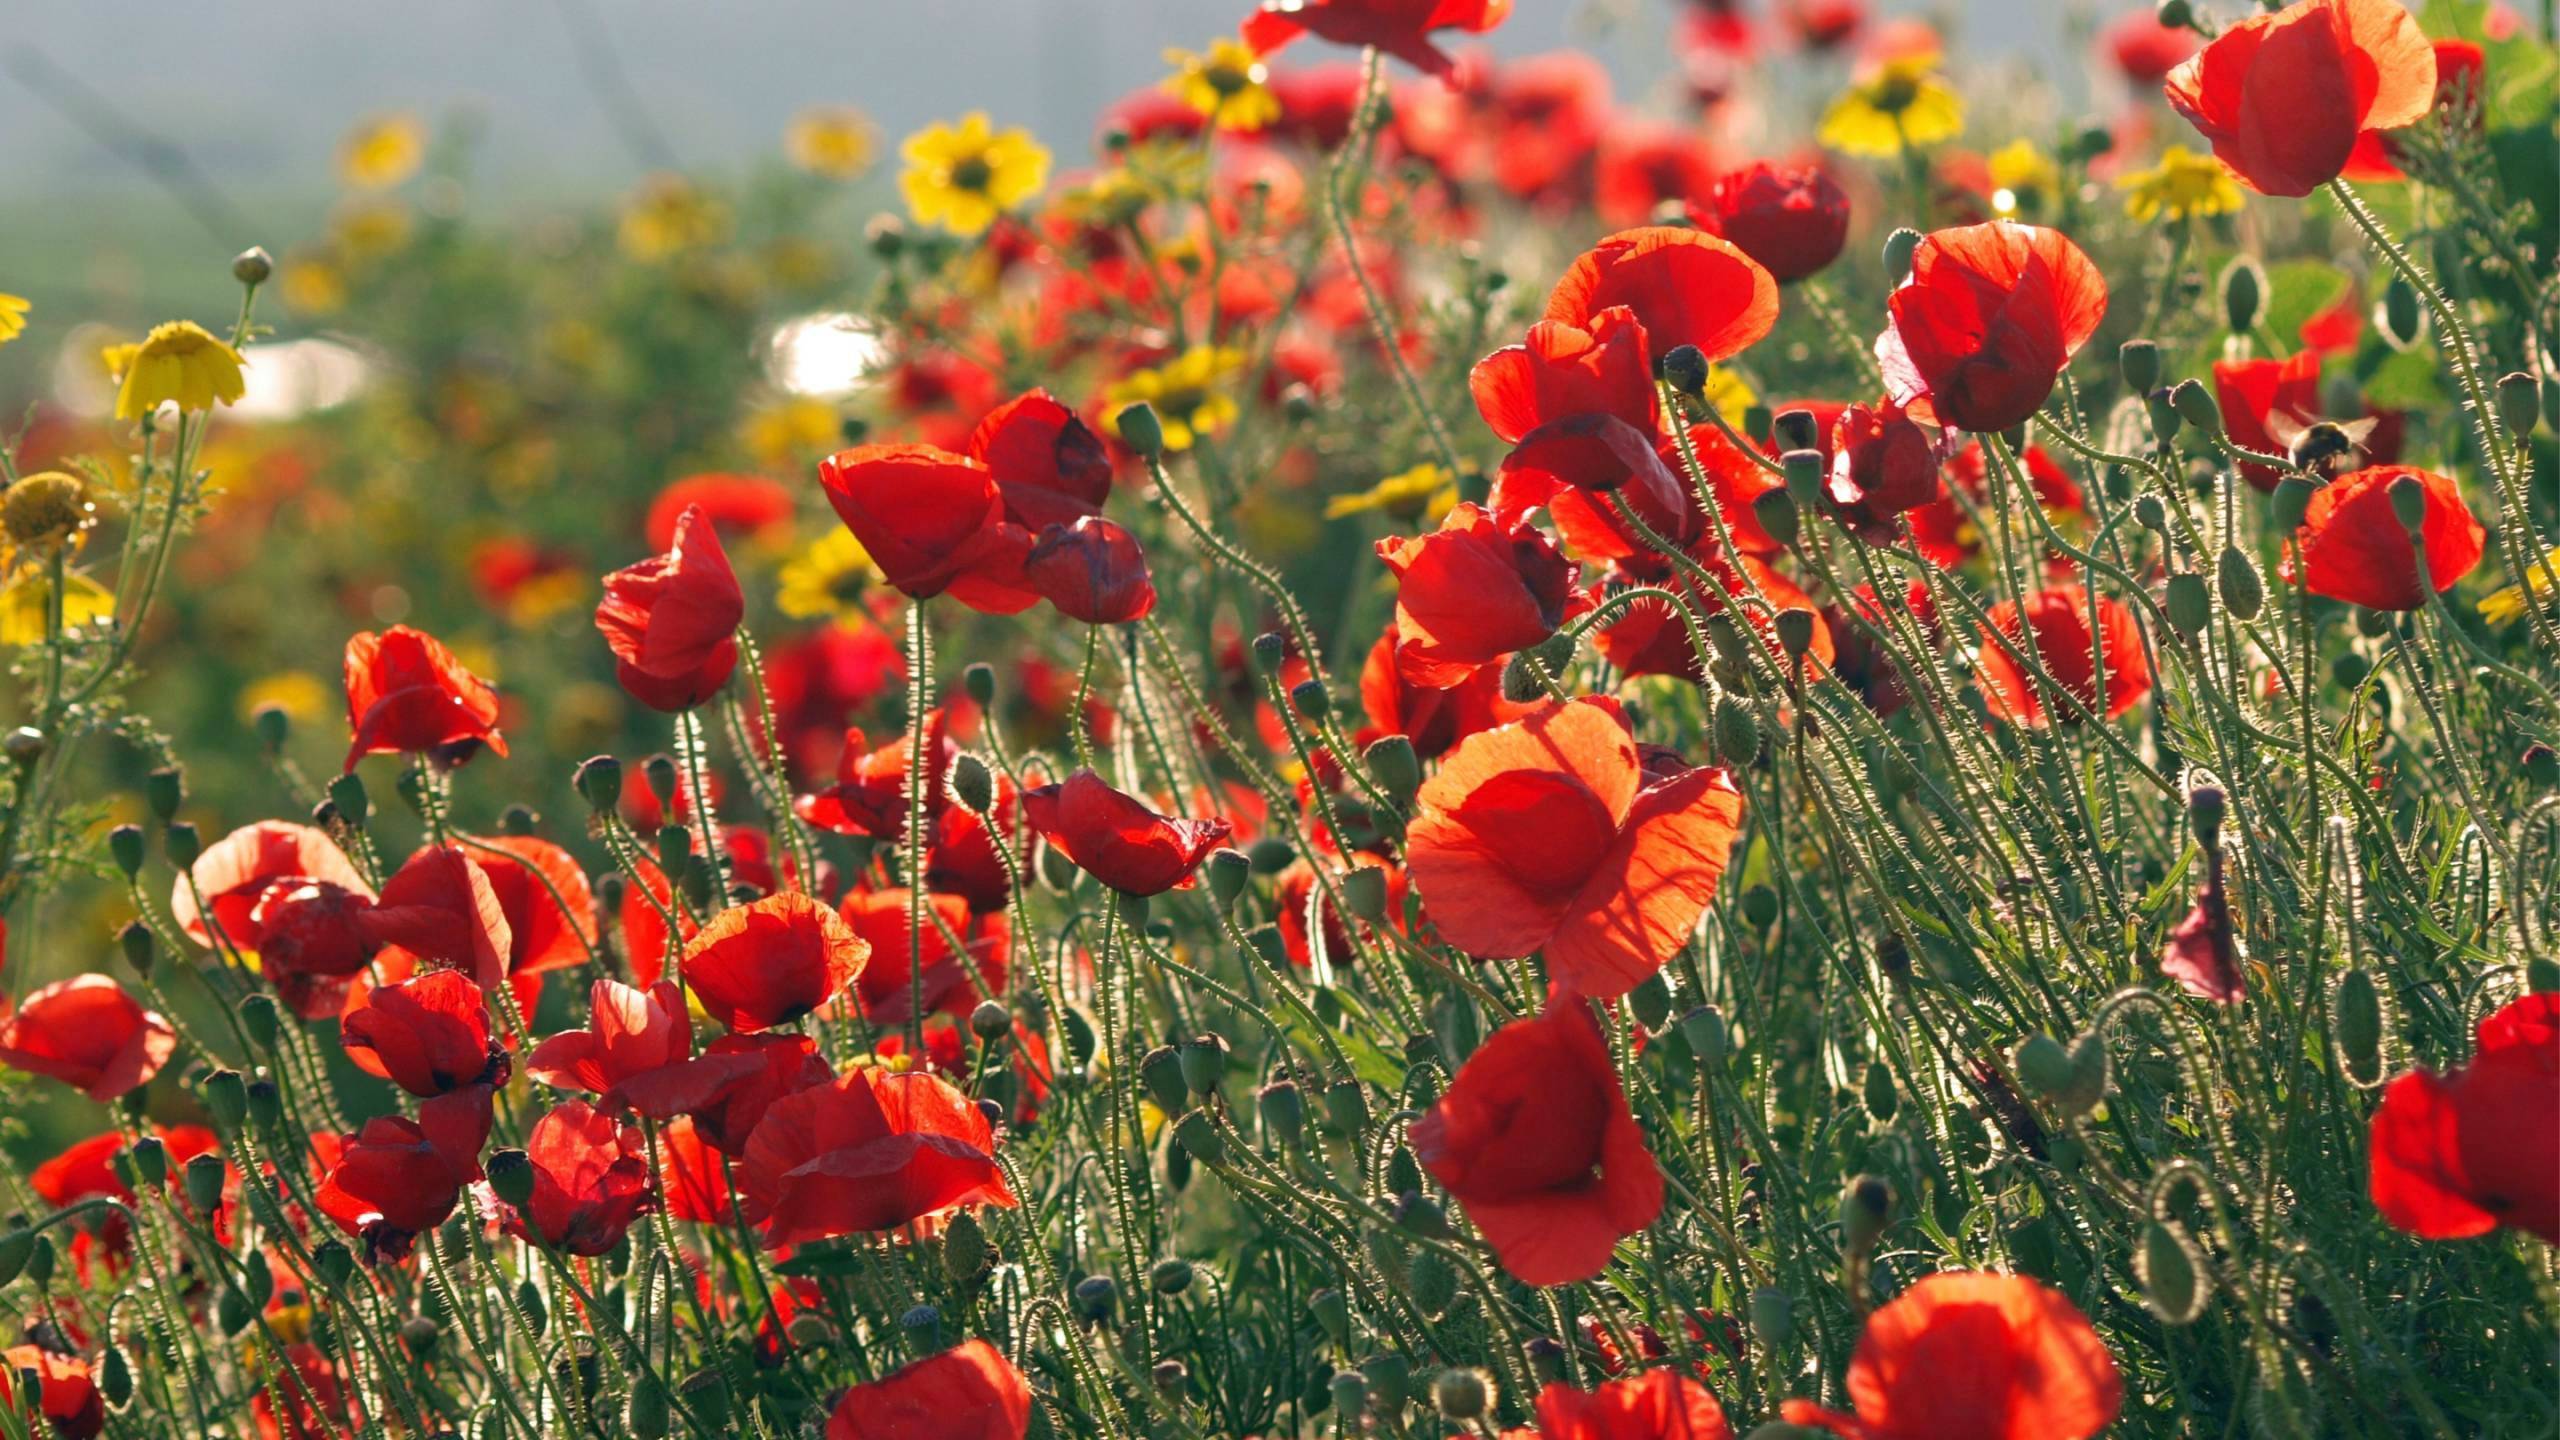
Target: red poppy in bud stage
(2282, 97)
(1978, 1355)
(1656, 1405)
(970, 1392)
(1986, 322)
(1092, 571)
(1791, 219)
(65, 1394)
(631, 1032)
(952, 981)
(89, 1034)
(2354, 548)
(1535, 1139)
(1048, 465)
(1401, 28)
(442, 909)
(2459, 73)
(406, 693)
(543, 892)
(1433, 719)
(590, 1180)
(759, 965)
(287, 893)
(1472, 592)
(2462, 1153)
(1118, 839)
(1640, 165)
(1883, 463)
(869, 1153)
(2252, 393)
(2145, 50)
(397, 1177)
(870, 793)
(1686, 286)
(740, 507)
(428, 1034)
(1551, 835)
(932, 521)
(2059, 621)
(1563, 369)
(672, 620)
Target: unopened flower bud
(1140, 430)
(1171, 1378)
(2164, 417)
(1228, 871)
(511, 1176)
(2196, 406)
(1773, 1316)
(1651, 1001)
(252, 266)
(1284, 1110)
(1866, 1208)
(979, 683)
(1392, 763)
(266, 1105)
(2236, 576)
(1350, 1390)
(1364, 893)
(2409, 504)
(1897, 253)
(599, 782)
(227, 1096)
(1684, 368)
(274, 726)
(127, 844)
(1704, 1029)
(2206, 806)
(2189, 603)
(973, 784)
(2519, 402)
(203, 1181)
(2289, 504)
(1204, 1062)
(1095, 1297)
(1462, 1395)
(1776, 512)
(2402, 314)
(1161, 1072)
(1737, 734)
(1333, 1314)
(1311, 701)
(136, 943)
(347, 792)
(1170, 1276)
(2355, 1019)
(2244, 294)
(151, 1161)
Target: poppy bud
(2409, 505)
(182, 844)
(2163, 416)
(252, 266)
(1392, 763)
(1133, 909)
(511, 1176)
(706, 1394)
(1803, 475)
(334, 1262)
(1462, 1395)
(17, 1247)
(2244, 294)
(599, 782)
(1651, 1000)
(266, 1104)
(2236, 575)
(232, 1311)
(1760, 906)
(1333, 1314)
(648, 1411)
(115, 1378)
(227, 1096)
(2138, 361)
(979, 682)
(2400, 313)
(1350, 1392)
(1204, 1062)
(973, 785)
(1795, 632)
(1684, 368)
(1522, 682)
(1737, 734)
(2172, 1283)
(2175, 15)
(1284, 1110)
(1346, 1104)
(203, 1179)
(125, 843)
(347, 792)
(1866, 1208)
(2190, 605)
(2355, 1018)
(420, 1333)
(1161, 1072)
(1172, 1379)
(2044, 1064)
(2151, 515)
(1773, 1316)
(1364, 893)
(1197, 1132)
(1897, 254)
(2195, 405)
(1056, 870)
(1776, 512)
(2289, 503)
(518, 821)
(1170, 1277)
(2206, 805)
(2542, 765)
(1704, 1029)
(165, 789)
(1878, 1091)
(1140, 430)
(2518, 402)
(1311, 700)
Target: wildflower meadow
(1414, 749)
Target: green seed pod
(1333, 1314)
(1802, 471)
(1704, 1029)
(1795, 429)
(1200, 1138)
(1140, 430)
(128, 845)
(2290, 502)
(1284, 1110)
(1737, 734)
(979, 681)
(17, 1248)
(1346, 1106)
(182, 845)
(334, 1262)
(2402, 314)
(2236, 575)
(1776, 512)
(1160, 1070)
(706, 1394)
(1726, 636)
(2518, 403)
(2355, 1018)
(2196, 406)
(1056, 870)
(2175, 14)
(2164, 417)
(2173, 1283)
(1364, 893)
(266, 1105)
(232, 1312)
(1271, 855)
(1395, 767)
(1228, 870)
(1311, 700)
(2139, 362)
(2244, 294)
(1773, 1317)
(165, 789)
(1651, 1000)
(2189, 603)
(1795, 632)
(1204, 1062)
(1431, 1281)
(2542, 766)
(1390, 1380)
(1879, 1094)
(115, 1378)
(347, 792)
(972, 784)
(648, 1413)
(227, 1096)
(1897, 254)
(1760, 906)
(1349, 1392)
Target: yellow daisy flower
(828, 579)
(668, 216)
(1425, 491)
(787, 434)
(1732, 395)
(22, 604)
(2508, 604)
(178, 362)
(1225, 83)
(1184, 392)
(382, 150)
(313, 284)
(833, 142)
(1904, 104)
(13, 317)
(2183, 184)
(2022, 178)
(47, 511)
(962, 177)
(369, 229)
(298, 693)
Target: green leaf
(2298, 290)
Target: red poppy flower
(543, 892)
(398, 1178)
(406, 693)
(2145, 50)
(951, 980)
(1792, 219)
(1562, 370)
(1550, 835)
(728, 1087)
(89, 1034)
(1535, 1139)
(692, 1176)
(590, 1181)
(1986, 322)
(2354, 548)
(1401, 28)
(65, 1395)
(756, 966)
(870, 793)
(1317, 103)
(1823, 24)
(672, 620)
(1648, 638)
(1686, 286)
(631, 1032)
(740, 507)
(962, 859)
(1656, 1405)
(2059, 620)
(1117, 838)
(1048, 465)
(289, 894)
(645, 937)
(1472, 592)
(1984, 1356)
(1433, 719)
(2459, 67)
(429, 1034)
(872, 1152)
(1092, 571)
(2254, 392)
(1883, 463)
(1641, 165)
(442, 909)
(2462, 1153)
(969, 1392)
(932, 521)
(2282, 97)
